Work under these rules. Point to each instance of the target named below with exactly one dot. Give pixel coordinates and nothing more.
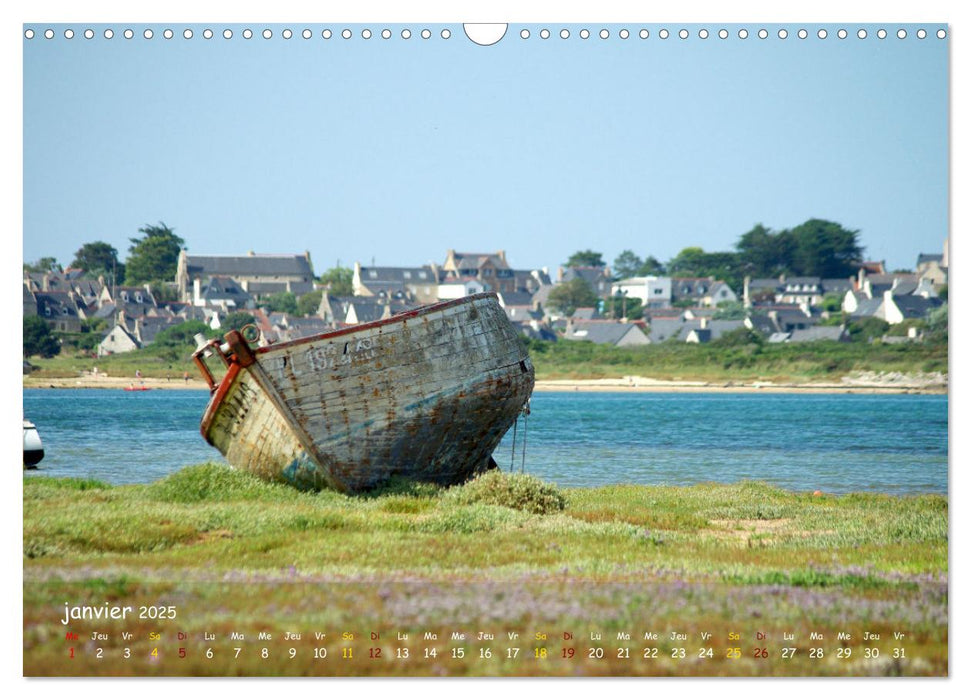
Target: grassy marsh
(235, 552)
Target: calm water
(836, 443)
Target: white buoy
(33, 447)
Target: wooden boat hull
(426, 395)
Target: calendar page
(538, 349)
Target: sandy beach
(90, 381)
(872, 383)
(864, 383)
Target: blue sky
(396, 150)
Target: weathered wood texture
(426, 395)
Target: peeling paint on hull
(426, 395)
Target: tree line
(815, 248)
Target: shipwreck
(427, 395)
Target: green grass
(223, 516)
(805, 362)
(236, 553)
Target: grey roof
(465, 261)
(585, 313)
(516, 298)
(916, 306)
(902, 288)
(56, 304)
(398, 275)
(891, 278)
(662, 329)
(929, 257)
(837, 285)
(267, 288)
(250, 266)
(600, 332)
(689, 286)
(150, 326)
(225, 288)
(792, 320)
(304, 327)
(817, 333)
(596, 277)
(531, 280)
(866, 307)
(802, 281)
(762, 323)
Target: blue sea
(837, 443)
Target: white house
(458, 288)
(654, 292)
(118, 340)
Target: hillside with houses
(170, 294)
(216, 289)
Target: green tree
(339, 281)
(308, 304)
(627, 264)
(867, 329)
(43, 265)
(652, 267)
(99, 258)
(235, 320)
(695, 262)
(937, 325)
(567, 297)
(154, 257)
(622, 306)
(182, 334)
(38, 339)
(585, 258)
(832, 302)
(763, 253)
(825, 249)
(730, 311)
(284, 302)
(739, 337)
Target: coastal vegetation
(228, 550)
(738, 357)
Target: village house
(221, 292)
(62, 311)
(603, 332)
(932, 268)
(418, 283)
(897, 308)
(490, 269)
(117, 340)
(653, 292)
(700, 291)
(597, 278)
(458, 287)
(256, 274)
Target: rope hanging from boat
(525, 432)
(512, 460)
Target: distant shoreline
(647, 385)
(624, 384)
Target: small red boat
(138, 388)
